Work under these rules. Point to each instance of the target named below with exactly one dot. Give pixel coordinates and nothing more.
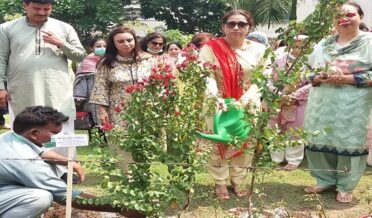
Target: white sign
(71, 140)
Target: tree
(293, 13)
(267, 11)
(188, 16)
(89, 17)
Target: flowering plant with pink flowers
(161, 118)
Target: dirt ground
(58, 211)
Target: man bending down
(29, 187)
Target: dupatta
(232, 72)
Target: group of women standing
(340, 100)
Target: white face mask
(155, 52)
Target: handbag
(84, 121)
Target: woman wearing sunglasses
(236, 57)
(340, 101)
(122, 65)
(154, 44)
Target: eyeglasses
(232, 24)
(157, 43)
(124, 40)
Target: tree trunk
(293, 13)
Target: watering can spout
(215, 138)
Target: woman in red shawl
(236, 57)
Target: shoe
(344, 197)
(237, 189)
(317, 189)
(221, 192)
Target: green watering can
(228, 125)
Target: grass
(280, 188)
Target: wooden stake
(69, 182)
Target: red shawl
(232, 73)
(230, 67)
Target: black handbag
(84, 121)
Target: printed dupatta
(232, 72)
(231, 69)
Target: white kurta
(37, 72)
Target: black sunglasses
(232, 24)
(157, 43)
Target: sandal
(344, 197)
(317, 189)
(289, 167)
(237, 190)
(221, 192)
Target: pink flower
(169, 75)
(135, 88)
(107, 127)
(117, 109)
(130, 89)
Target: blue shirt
(27, 173)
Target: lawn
(280, 189)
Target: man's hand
(56, 158)
(50, 38)
(4, 97)
(77, 168)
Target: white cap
(300, 37)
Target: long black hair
(112, 51)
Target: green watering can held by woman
(228, 125)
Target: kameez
(110, 83)
(109, 91)
(37, 72)
(342, 111)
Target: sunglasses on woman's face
(157, 43)
(232, 24)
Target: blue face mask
(50, 144)
(100, 51)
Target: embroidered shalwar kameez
(342, 111)
(109, 91)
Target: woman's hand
(287, 100)
(335, 76)
(102, 115)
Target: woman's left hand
(335, 77)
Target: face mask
(155, 52)
(100, 51)
(50, 144)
